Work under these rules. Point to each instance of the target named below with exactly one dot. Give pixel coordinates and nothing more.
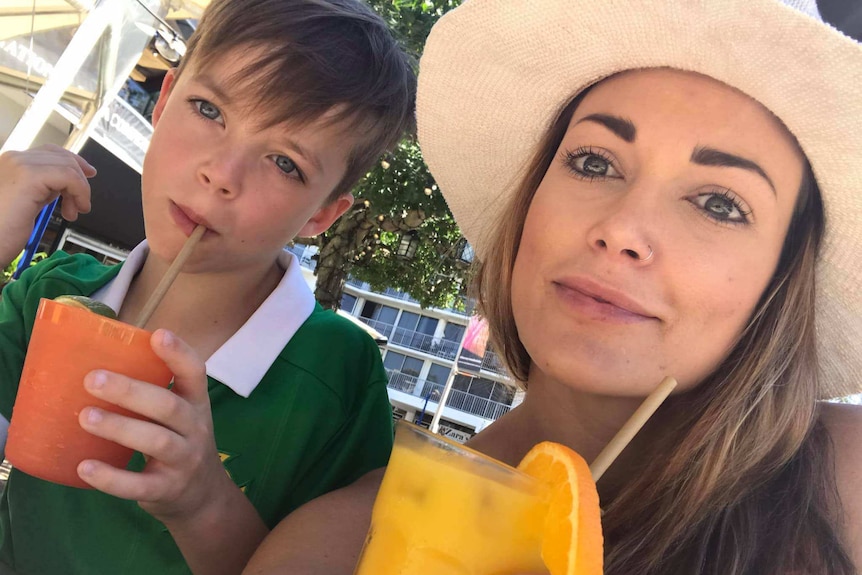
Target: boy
(276, 111)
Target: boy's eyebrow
(213, 87)
(712, 157)
(298, 149)
(622, 127)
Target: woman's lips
(599, 304)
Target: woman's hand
(183, 474)
(30, 181)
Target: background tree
(397, 206)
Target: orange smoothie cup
(45, 439)
(445, 509)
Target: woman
(653, 189)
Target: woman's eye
(207, 110)
(589, 164)
(723, 207)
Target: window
(465, 251)
(481, 387)
(503, 393)
(408, 321)
(348, 302)
(454, 332)
(485, 388)
(427, 325)
(412, 366)
(378, 312)
(402, 363)
(438, 373)
(462, 383)
(393, 360)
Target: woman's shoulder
(844, 424)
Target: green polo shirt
(319, 419)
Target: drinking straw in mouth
(631, 427)
(170, 276)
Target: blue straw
(35, 238)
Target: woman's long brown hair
(744, 485)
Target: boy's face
(254, 188)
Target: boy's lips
(187, 219)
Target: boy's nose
(207, 181)
(222, 176)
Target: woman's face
(654, 232)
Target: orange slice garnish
(572, 540)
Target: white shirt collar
(242, 361)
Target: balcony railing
(438, 347)
(397, 294)
(492, 362)
(466, 402)
(382, 327)
(459, 400)
(402, 382)
(431, 345)
(469, 304)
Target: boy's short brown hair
(317, 56)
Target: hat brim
(486, 99)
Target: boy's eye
(207, 109)
(287, 166)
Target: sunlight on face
(255, 187)
(654, 232)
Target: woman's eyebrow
(622, 127)
(712, 157)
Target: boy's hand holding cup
(183, 475)
(77, 358)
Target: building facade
(420, 355)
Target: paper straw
(170, 276)
(631, 427)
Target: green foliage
(411, 20)
(396, 197)
(399, 197)
(10, 269)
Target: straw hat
(495, 73)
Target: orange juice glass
(445, 509)
(45, 438)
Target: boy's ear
(326, 215)
(167, 84)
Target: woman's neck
(585, 422)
